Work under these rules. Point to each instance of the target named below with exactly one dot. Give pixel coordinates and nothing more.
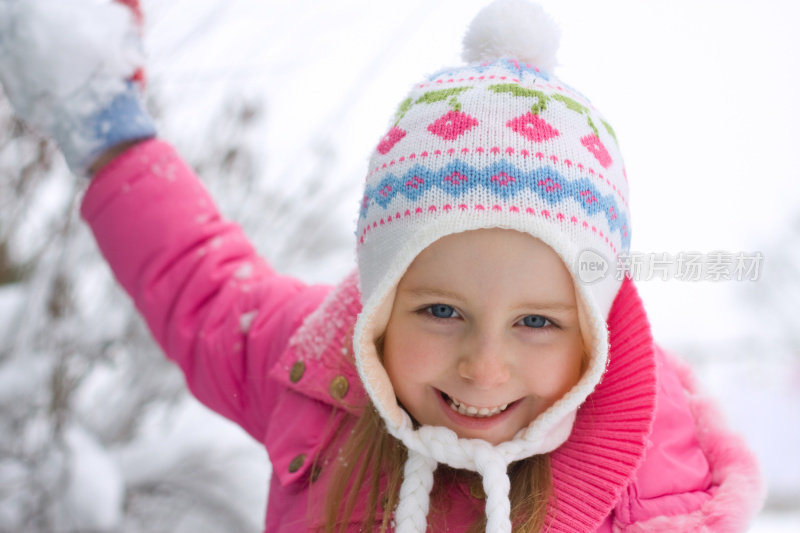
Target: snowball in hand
(65, 64)
(73, 54)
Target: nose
(484, 363)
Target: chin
(493, 436)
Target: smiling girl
(462, 378)
(477, 344)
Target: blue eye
(535, 321)
(442, 311)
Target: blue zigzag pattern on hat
(503, 180)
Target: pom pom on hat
(517, 29)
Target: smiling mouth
(473, 411)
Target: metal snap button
(297, 463)
(339, 387)
(297, 371)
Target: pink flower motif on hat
(391, 138)
(415, 182)
(452, 125)
(549, 185)
(503, 179)
(588, 197)
(386, 191)
(456, 179)
(593, 144)
(532, 127)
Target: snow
(246, 320)
(18, 380)
(244, 271)
(777, 522)
(207, 457)
(43, 67)
(95, 492)
(12, 298)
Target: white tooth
(477, 412)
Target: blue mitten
(66, 67)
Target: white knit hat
(499, 142)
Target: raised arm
(215, 307)
(70, 70)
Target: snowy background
(270, 100)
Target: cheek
(412, 367)
(407, 358)
(412, 357)
(554, 375)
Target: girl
(463, 378)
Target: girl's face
(483, 335)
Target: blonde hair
(371, 452)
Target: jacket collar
(610, 434)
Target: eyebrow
(436, 293)
(547, 306)
(539, 306)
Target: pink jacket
(271, 353)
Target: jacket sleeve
(216, 309)
(697, 476)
